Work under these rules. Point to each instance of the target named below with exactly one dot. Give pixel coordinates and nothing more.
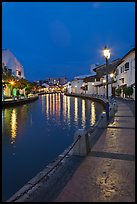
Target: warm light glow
(43, 103)
(58, 106)
(106, 53)
(76, 110)
(68, 109)
(104, 80)
(75, 86)
(93, 83)
(93, 114)
(83, 113)
(12, 82)
(53, 103)
(111, 75)
(64, 106)
(47, 105)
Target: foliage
(118, 91)
(128, 91)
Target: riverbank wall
(52, 176)
(6, 104)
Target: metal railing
(47, 173)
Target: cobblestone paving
(107, 174)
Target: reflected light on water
(47, 105)
(68, 110)
(83, 114)
(50, 104)
(76, 110)
(13, 124)
(53, 101)
(64, 105)
(58, 105)
(43, 104)
(93, 114)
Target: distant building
(13, 65)
(56, 81)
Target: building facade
(13, 65)
(125, 72)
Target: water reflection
(83, 114)
(25, 128)
(53, 101)
(93, 114)
(47, 106)
(76, 111)
(13, 124)
(68, 110)
(43, 103)
(58, 106)
(64, 106)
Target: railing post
(115, 106)
(82, 147)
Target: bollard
(111, 110)
(102, 122)
(82, 147)
(115, 106)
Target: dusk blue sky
(58, 39)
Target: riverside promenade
(106, 174)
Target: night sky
(58, 39)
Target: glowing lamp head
(106, 53)
(12, 82)
(93, 83)
(111, 75)
(104, 80)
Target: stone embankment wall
(81, 146)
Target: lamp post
(106, 53)
(111, 76)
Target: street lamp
(111, 76)
(106, 53)
(12, 83)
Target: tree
(128, 91)
(118, 91)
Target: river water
(34, 134)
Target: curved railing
(50, 169)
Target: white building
(126, 72)
(100, 78)
(12, 63)
(77, 84)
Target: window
(19, 73)
(126, 66)
(117, 71)
(121, 69)
(10, 71)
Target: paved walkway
(107, 174)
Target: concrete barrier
(111, 110)
(102, 121)
(115, 106)
(82, 147)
